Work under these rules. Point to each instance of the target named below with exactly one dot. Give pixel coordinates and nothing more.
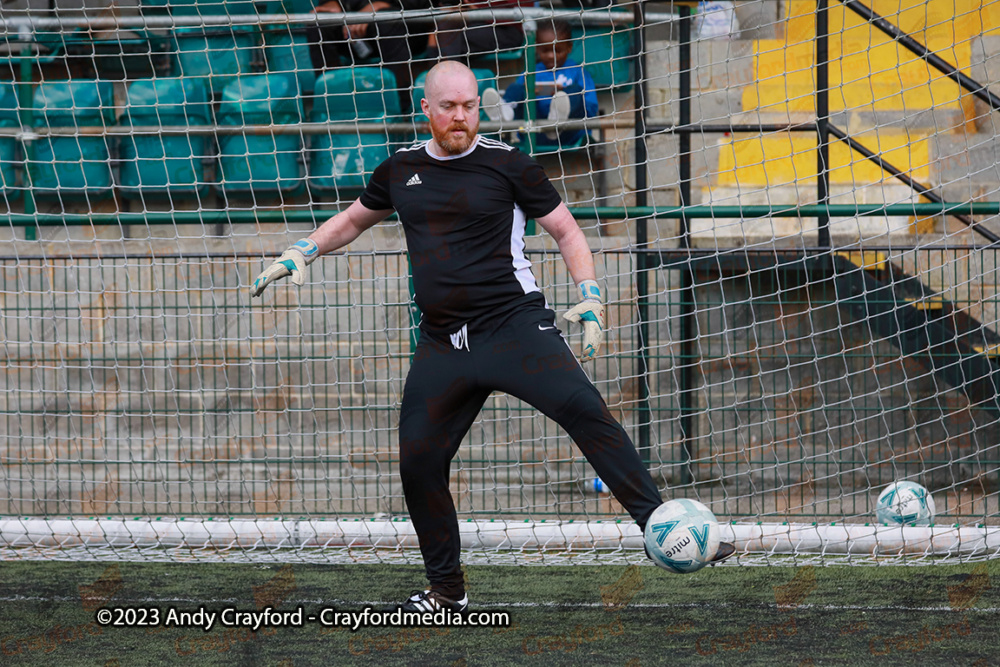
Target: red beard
(455, 144)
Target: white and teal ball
(905, 504)
(682, 536)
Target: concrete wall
(155, 386)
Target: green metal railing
(246, 216)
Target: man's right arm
(346, 226)
(333, 234)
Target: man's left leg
(537, 366)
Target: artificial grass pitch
(610, 615)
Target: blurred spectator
(563, 88)
(458, 38)
(716, 19)
(393, 43)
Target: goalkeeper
(463, 201)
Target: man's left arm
(562, 227)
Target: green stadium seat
(342, 162)
(112, 54)
(8, 145)
(606, 55)
(199, 7)
(260, 163)
(290, 6)
(162, 165)
(494, 60)
(287, 52)
(486, 79)
(286, 49)
(216, 54)
(72, 165)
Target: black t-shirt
(464, 219)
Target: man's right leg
(538, 367)
(440, 402)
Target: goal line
(563, 536)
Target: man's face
(550, 51)
(453, 109)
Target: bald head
(451, 103)
(449, 76)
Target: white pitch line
(115, 601)
(504, 605)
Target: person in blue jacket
(563, 88)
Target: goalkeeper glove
(293, 261)
(590, 312)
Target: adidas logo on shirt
(415, 180)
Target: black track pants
(448, 383)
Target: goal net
(794, 210)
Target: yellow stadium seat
(868, 71)
(988, 16)
(784, 159)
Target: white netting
(779, 360)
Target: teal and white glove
(590, 312)
(292, 262)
